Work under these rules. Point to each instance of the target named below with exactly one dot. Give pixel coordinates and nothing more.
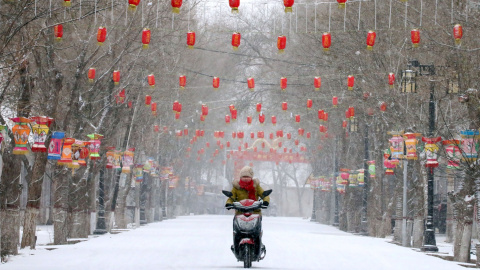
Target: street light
(409, 84)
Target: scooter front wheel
(247, 256)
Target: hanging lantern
(344, 123)
(284, 106)
(470, 144)
(236, 37)
(227, 119)
(94, 145)
(415, 36)
(177, 116)
(240, 135)
(130, 104)
(309, 103)
(260, 134)
(350, 82)
(281, 43)
(216, 82)
(58, 32)
(321, 114)
(431, 150)
(334, 101)
(308, 135)
(40, 132)
(231, 107)
(259, 107)
(371, 39)
(133, 4)
(190, 39)
(78, 158)
(297, 141)
(148, 100)
(391, 79)
(289, 136)
(91, 74)
(317, 83)
(234, 114)
(271, 136)
(101, 35)
(252, 135)
(120, 98)
(279, 133)
(411, 145)
(175, 106)
(325, 117)
(383, 106)
(67, 3)
(55, 146)
(127, 160)
(347, 114)
(204, 110)
(251, 83)
(371, 168)
(301, 131)
(154, 108)
(396, 145)
(182, 81)
(66, 157)
(322, 129)
(20, 131)
(146, 38)
(274, 120)
(297, 118)
(234, 4)
(288, 5)
(261, 118)
(352, 179)
(458, 33)
(176, 4)
(351, 112)
(116, 77)
(249, 120)
(453, 153)
(151, 80)
(283, 83)
(341, 3)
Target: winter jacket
(241, 194)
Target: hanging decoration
(297, 118)
(415, 36)
(350, 82)
(388, 163)
(236, 37)
(117, 159)
(411, 144)
(120, 98)
(91, 74)
(301, 131)
(101, 35)
(67, 3)
(317, 83)
(326, 41)
(77, 158)
(391, 79)
(274, 120)
(396, 144)
(116, 77)
(281, 43)
(66, 157)
(148, 100)
(334, 101)
(40, 132)
(470, 144)
(58, 32)
(151, 80)
(249, 120)
(309, 104)
(176, 5)
(204, 110)
(284, 106)
(454, 153)
(361, 177)
(216, 82)
(190, 39)
(261, 118)
(20, 131)
(458, 33)
(431, 150)
(132, 4)
(227, 119)
(251, 83)
(341, 3)
(283, 83)
(259, 107)
(371, 39)
(371, 168)
(182, 81)
(55, 146)
(146, 38)
(383, 106)
(154, 108)
(94, 145)
(234, 4)
(288, 5)
(321, 114)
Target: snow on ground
(203, 242)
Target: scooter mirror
(267, 192)
(227, 193)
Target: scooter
(247, 230)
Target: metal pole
(365, 186)
(429, 235)
(404, 213)
(335, 175)
(101, 227)
(314, 216)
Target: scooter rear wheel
(247, 256)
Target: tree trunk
(465, 243)
(60, 209)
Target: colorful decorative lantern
(261, 118)
(453, 153)
(415, 36)
(91, 74)
(94, 145)
(396, 145)
(309, 103)
(326, 41)
(216, 82)
(334, 101)
(234, 4)
(274, 120)
(148, 100)
(297, 118)
(259, 107)
(361, 177)
(351, 112)
(317, 83)
(251, 83)
(78, 154)
(40, 132)
(176, 5)
(371, 39)
(281, 43)
(391, 79)
(234, 114)
(236, 37)
(20, 131)
(350, 82)
(431, 150)
(284, 106)
(458, 33)
(322, 128)
(325, 117)
(66, 157)
(58, 31)
(411, 145)
(55, 146)
(283, 83)
(146, 34)
(341, 3)
(288, 5)
(67, 3)
(151, 80)
(182, 81)
(204, 110)
(470, 144)
(344, 123)
(127, 160)
(116, 77)
(260, 134)
(308, 135)
(133, 4)
(190, 39)
(289, 136)
(371, 168)
(101, 35)
(120, 98)
(252, 135)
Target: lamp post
(409, 84)
(364, 229)
(335, 175)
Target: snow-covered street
(203, 242)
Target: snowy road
(203, 242)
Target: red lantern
(227, 119)
(91, 74)
(190, 39)
(391, 79)
(309, 103)
(301, 131)
(146, 38)
(67, 3)
(271, 136)
(234, 135)
(415, 36)
(252, 135)
(234, 114)
(148, 100)
(457, 33)
(297, 141)
(240, 134)
(234, 4)
(274, 120)
(176, 4)
(182, 81)
(249, 120)
(371, 39)
(325, 117)
(236, 40)
(335, 101)
(341, 3)
(297, 118)
(204, 110)
(261, 118)
(260, 135)
(283, 83)
(347, 114)
(154, 108)
(284, 106)
(116, 77)
(321, 114)
(216, 82)
(101, 35)
(323, 129)
(326, 41)
(308, 135)
(259, 107)
(58, 31)
(228, 144)
(344, 123)
(288, 5)
(281, 43)
(251, 83)
(130, 104)
(151, 80)
(383, 106)
(133, 4)
(280, 133)
(156, 128)
(350, 82)
(317, 83)
(289, 136)
(120, 98)
(351, 112)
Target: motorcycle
(247, 230)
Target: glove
(228, 205)
(265, 203)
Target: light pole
(335, 175)
(364, 229)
